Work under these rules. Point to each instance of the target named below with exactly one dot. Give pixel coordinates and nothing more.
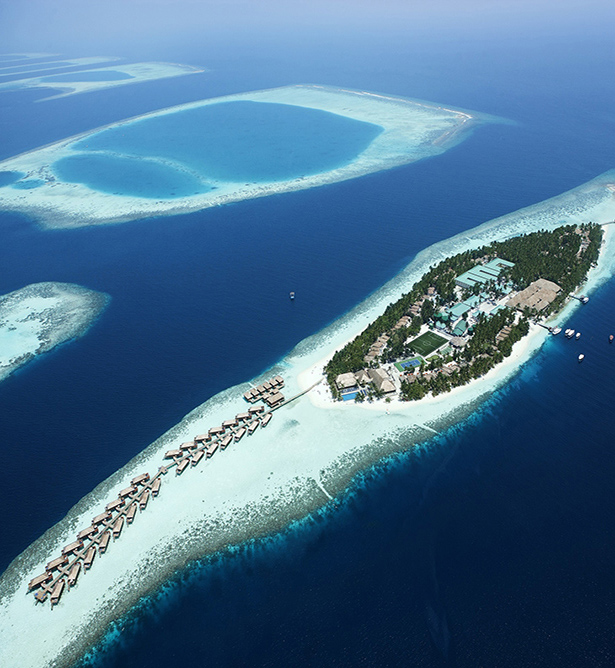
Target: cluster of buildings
(269, 392)
(454, 323)
(62, 572)
(350, 384)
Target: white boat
(569, 333)
(584, 299)
(578, 336)
(581, 357)
(556, 330)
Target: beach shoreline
(278, 475)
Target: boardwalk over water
(63, 572)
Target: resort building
(346, 382)
(482, 273)
(382, 381)
(538, 295)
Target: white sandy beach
(412, 130)
(139, 72)
(41, 316)
(258, 486)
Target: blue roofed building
(482, 273)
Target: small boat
(581, 357)
(578, 336)
(556, 330)
(292, 295)
(584, 299)
(569, 333)
(610, 338)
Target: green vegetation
(563, 256)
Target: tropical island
(464, 315)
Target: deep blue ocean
(493, 545)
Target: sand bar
(412, 130)
(47, 65)
(41, 316)
(257, 486)
(134, 72)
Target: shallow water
(492, 547)
(241, 141)
(104, 75)
(132, 176)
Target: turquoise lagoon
(217, 151)
(240, 141)
(6, 178)
(96, 75)
(129, 175)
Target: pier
(61, 574)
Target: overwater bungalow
(132, 511)
(156, 487)
(181, 467)
(114, 505)
(226, 441)
(72, 547)
(171, 454)
(212, 449)
(227, 424)
(74, 574)
(140, 479)
(242, 417)
(240, 434)
(41, 594)
(279, 381)
(56, 592)
(256, 409)
(86, 533)
(249, 396)
(104, 541)
(118, 526)
(144, 498)
(197, 457)
(126, 492)
(253, 426)
(89, 558)
(268, 386)
(36, 582)
(266, 419)
(274, 400)
(103, 517)
(188, 445)
(203, 438)
(216, 431)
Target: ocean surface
(492, 545)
